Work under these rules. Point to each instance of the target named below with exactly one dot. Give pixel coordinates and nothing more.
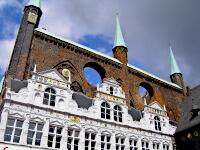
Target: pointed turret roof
(119, 40)
(36, 3)
(173, 63)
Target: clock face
(32, 18)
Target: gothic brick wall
(48, 52)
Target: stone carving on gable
(75, 86)
(66, 65)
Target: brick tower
(30, 21)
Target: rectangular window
(73, 139)
(105, 142)
(156, 146)
(54, 136)
(145, 145)
(90, 141)
(165, 147)
(133, 144)
(35, 133)
(120, 143)
(13, 130)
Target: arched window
(157, 123)
(117, 113)
(105, 110)
(49, 97)
(111, 90)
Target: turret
(176, 75)
(30, 21)
(119, 48)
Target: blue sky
(148, 26)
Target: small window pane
(51, 129)
(7, 138)
(32, 125)
(40, 127)
(18, 132)
(16, 139)
(76, 133)
(9, 131)
(59, 130)
(19, 123)
(70, 132)
(10, 122)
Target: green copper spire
(119, 40)
(1, 83)
(36, 3)
(173, 63)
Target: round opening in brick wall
(94, 73)
(145, 91)
(92, 76)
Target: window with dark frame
(49, 97)
(73, 139)
(117, 113)
(105, 142)
(105, 110)
(13, 130)
(133, 144)
(165, 147)
(111, 90)
(120, 143)
(157, 123)
(35, 133)
(54, 136)
(145, 145)
(90, 141)
(156, 146)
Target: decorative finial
(145, 102)
(35, 68)
(165, 108)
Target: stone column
(139, 143)
(98, 140)
(63, 145)
(45, 134)
(4, 117)
(161, 145)
(126, 143)
(113, 144)
(23, 139)
(82, 138)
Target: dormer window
(49, 97)
(105, 110)
(117, 113)
(111, 90)
(157, 123)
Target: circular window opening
(92, 76)
(146, 91)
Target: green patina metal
(36, 3)
(119, 40)
(173, 63)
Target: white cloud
(6, 47)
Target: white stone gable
(53, 74)
(156, 105)
(109, 84)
